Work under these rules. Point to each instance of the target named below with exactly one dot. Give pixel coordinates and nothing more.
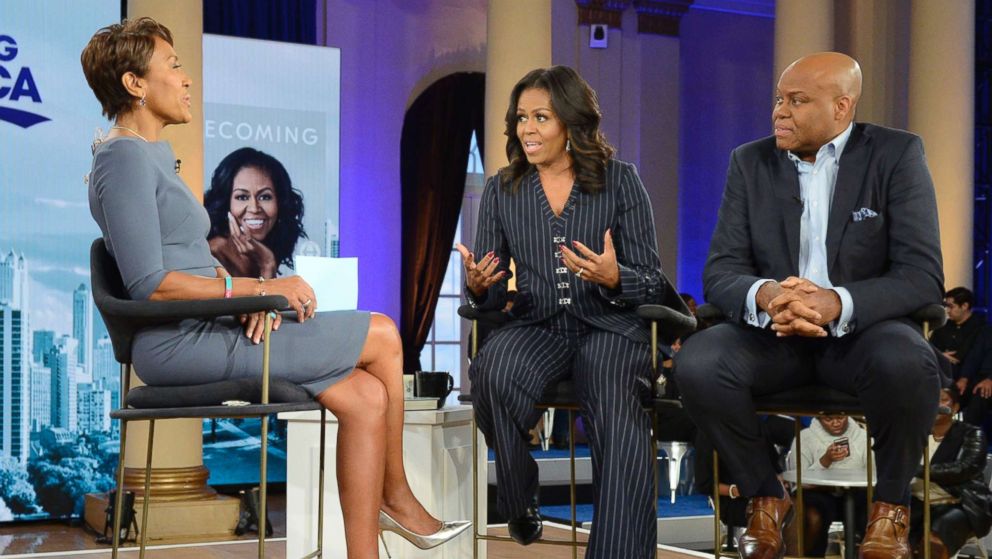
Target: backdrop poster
(58, 378)
(281, 99)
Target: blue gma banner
(58, 378)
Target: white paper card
(334, 281)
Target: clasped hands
(583, 262)
(798, 307)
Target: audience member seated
(961, 504)
(975, 382)
(690, 302)
(956, 338)
(831, 442)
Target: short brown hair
(115, 50)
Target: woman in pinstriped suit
(579, 226)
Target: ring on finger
(578, 274)
(307, 303)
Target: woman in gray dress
(156, 230)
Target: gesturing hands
(983, 389)
(589, 266)
(798, 307)
(479, 276)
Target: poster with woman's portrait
(270, 152)
(270, 163)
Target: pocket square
(863, 214)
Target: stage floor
(277, 549)
(60, 540)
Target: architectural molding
(658, 17)
(608, 12)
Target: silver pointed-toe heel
(447, 532)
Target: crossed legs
(369, 407)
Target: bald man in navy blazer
(827, 239)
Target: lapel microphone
(179, 164)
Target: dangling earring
(568, 145)
(141, 102)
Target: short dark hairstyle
(289, 224)
(116, 50)
(961, 296)
(577, 107)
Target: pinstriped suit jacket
(521, 225)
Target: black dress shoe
(527, 528)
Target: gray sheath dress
(153, 225)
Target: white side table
(437, 448)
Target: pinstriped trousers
(611, 375)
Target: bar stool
(561, 395)
(813, 401)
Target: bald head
(815, 101)
(833, 71)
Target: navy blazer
(521, 225)
(883, 242)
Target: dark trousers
(888, 366)
(829, 506)
(976, 408)
(611, 375)
(947, 522)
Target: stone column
(802, 27)
(518, 41)
(942, 111)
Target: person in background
(831, 442)
(955, 338)
(976, 378)
(690, 302)
(256, 216)
(960, 500)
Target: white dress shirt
(817, 181)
